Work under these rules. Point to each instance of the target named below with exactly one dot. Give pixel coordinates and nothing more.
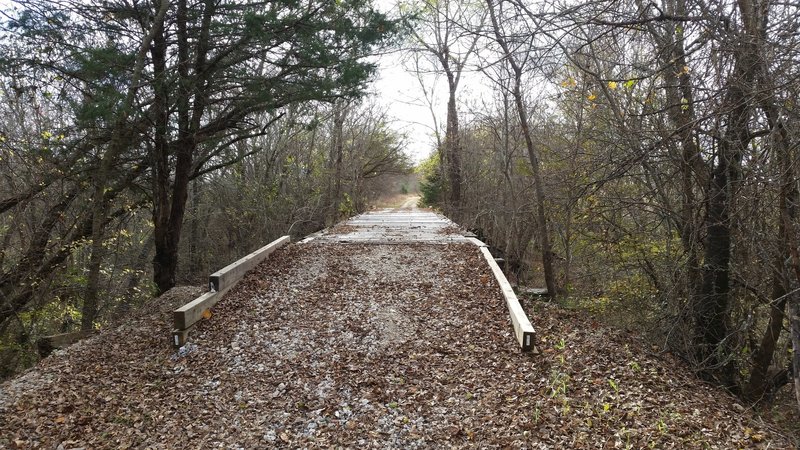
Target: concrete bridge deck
(407, 224)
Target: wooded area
(640, 160)
(147, 143)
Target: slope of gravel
(368, 346)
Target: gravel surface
(369, 346)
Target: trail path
(387, 331)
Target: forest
(637, 159)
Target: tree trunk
(680, 97)
(90, 296)
(195, 266)
(170, 199)
(453, 147)
(160, 165)
(759, 382)
(116, 146)
(335, 160)
(712, 307)
(541, 216)
(794, 319)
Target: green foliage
(346, 206)
(432, 183)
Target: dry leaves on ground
(369, 346)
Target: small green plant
(661, 426)
(558, 385)
(635, 366)
(561, 345)
(565, 408)
(613, 385)
(347, 207)
(537, 414)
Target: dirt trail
(386, 333)
(411, 202)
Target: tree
(279, 54)
(205, 75)
(448, 31)
(516, 63)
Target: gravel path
(368, 346)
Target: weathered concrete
(394, 226)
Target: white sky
(399, 91)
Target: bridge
(405, 226)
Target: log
(523, 329)
(190, 313)
(45, 345)
(477, 242)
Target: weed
(613, 385)
(558, 385)
(661, 426)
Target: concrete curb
(219, 283)
(525, 334)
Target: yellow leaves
(592, 97)
(753, 435)
(569, 83)
(207, 314)
(612, 85)
(46, 135)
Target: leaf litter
(369, 346)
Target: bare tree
(448, 31)
(516, 58)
